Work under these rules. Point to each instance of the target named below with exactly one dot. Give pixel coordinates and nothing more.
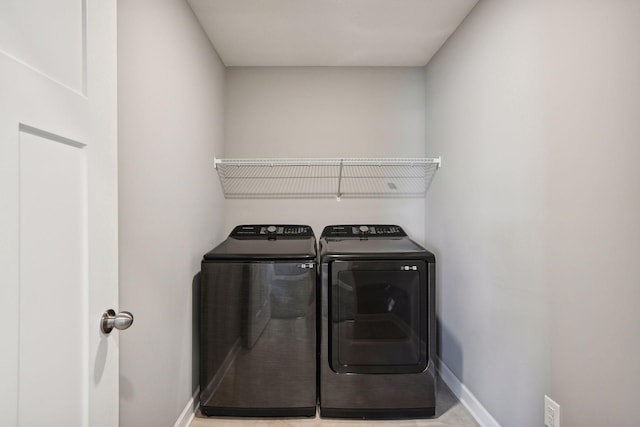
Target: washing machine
(258, 323)
(378, 325)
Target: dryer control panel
(363, 230)
(271, 231)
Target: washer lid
(266, 242)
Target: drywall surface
(171, 86)
(486, 213)
(325, 112)
(533, 106)
(594, 236)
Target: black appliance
(377, 329)
(258, 323)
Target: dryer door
(378, 316)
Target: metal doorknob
(111, 320)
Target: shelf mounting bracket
(340, 181)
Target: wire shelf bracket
(322, 178)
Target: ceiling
(329, 32)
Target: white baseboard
(464, 395)
(189, 411)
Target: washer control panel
(363, 231)
(271, 231)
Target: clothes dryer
(377, 329)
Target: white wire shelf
(322, 178)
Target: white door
(58, 212)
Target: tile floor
(449, 413)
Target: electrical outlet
(551, 413)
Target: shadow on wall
(449, 351)
(195, 335)
(448, 348)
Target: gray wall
(594, 212)
(533, 106)
(325, 112)
(170, 101)
(486, 209)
